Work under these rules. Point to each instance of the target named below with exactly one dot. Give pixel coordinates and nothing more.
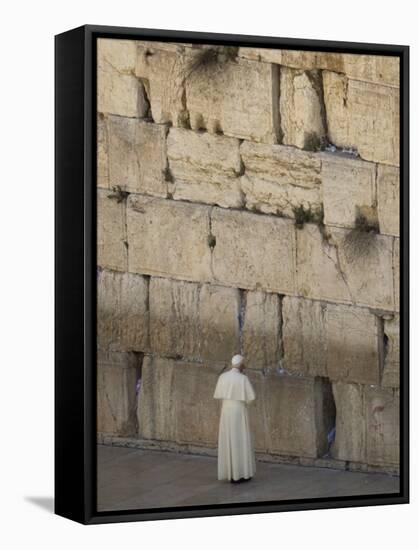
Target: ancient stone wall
(248, 201)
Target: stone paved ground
(133, 478)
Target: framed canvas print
(232, 311)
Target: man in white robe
(236, 457)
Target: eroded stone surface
(348, 187)
(335, 341)
(345, 267)
(367, 424)
(304, 336)
(119, 91)
(239, 99)
(278, 179)
(137, 156)
(391, 373)
(168, 238)
(291, 415)
(301, 109)
(204, 167)
(117, 375)
(369, 68)
(111, 232)
(194, 321)
(262, 329)
(388, 198)
(363, 116)
(102, 152)
(176, 401)
(122, 311)
(253, 251)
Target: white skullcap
(237, 360)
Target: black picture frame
(75, 274)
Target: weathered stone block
(218, 317)
(162, 72)
(335, 341)
(352, 344)
(111, 232)
(204, 167)
(168, 238)
(348, 186)
(371, 68)
(363, 116)
(345, 267)
(301, 109)
(391, 373)
(117, 375)
(176, 402)
(119, 91)
(194, 321)
(388, 198)
(239, 99)
(122, 311)
(279, 179)
(253, 251)
(396, 273)
(137, 156)
(367, 424)
(174, 317)
(304, 336)
(262, 329)
(102, 152)
(292, 415)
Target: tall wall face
(248, 201)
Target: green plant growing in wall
(304, 215)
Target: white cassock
(236, 457)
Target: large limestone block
(176, 402)
(137, 156)
(218, 316)
(388, 199)
(335, 341)
(168, 238)
(337, 269)
(174, 317)
(391, 372)
(348, 188)
(304, 336)
(353, 336)
(204, 167)
(102, 162)
(117, 375)
(301, 109)
(292, 415)
(350, 436)
(119, 91)
(383, 425)
(122, 311)
(262, 329)
(111, 232)
(278, 179)
(194, 321)
(162, 72)
(367, 424)
(372, 68)
(363, 116)
(396, 273)
(238, 98)
(253, 251)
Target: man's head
(238, 362)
